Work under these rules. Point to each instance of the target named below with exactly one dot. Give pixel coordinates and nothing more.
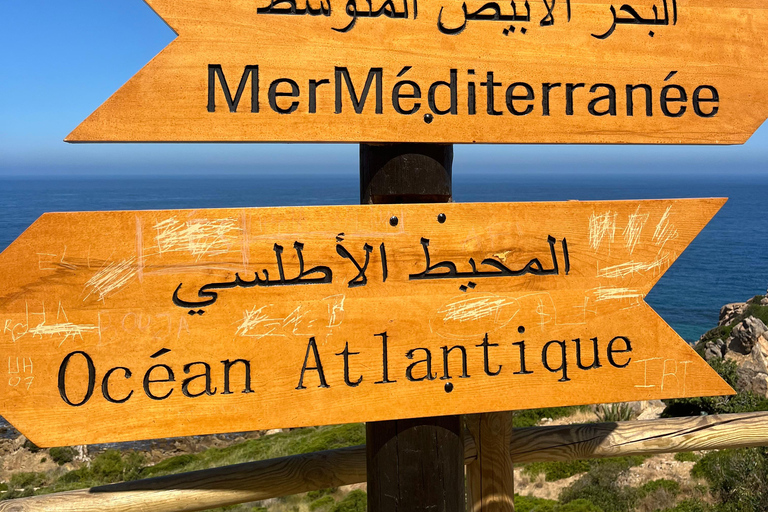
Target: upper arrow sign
(575, 71)
(130, 325)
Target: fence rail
(254, 481)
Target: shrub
(558, 470)
(579, 505)
(24, 484)
(323, 503)
(721, 332)
(27, 479)
(687, 457)
(694, 505)
(32, 447)
(600, 487)
(531, 504)
(62, 455)
(611, 413)
(663, 484)
(737, 478)
(313, 495)
(760, 312)
(658, 495)
(355, 501)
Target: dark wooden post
(413, 465)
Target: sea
(727, 262)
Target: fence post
(413, 465)
(490, 477)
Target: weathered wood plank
(302, 473)
(572, 442)
(490, 477)
(416, 465)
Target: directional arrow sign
(586, 71)
(128, 325)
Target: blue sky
(62, 59)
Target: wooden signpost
(130, 325)
(571, 71)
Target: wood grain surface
(217, 487)
(490, 477)
(437, 71)
(130, 325)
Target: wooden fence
(253, 481)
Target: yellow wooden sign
(534, 71)
(128, 325)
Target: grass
(295, 442)
(114, 466)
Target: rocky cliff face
(742, 336)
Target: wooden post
(413, 465)
(490, 477)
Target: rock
(713, 350)
(730, 311)
(651, 410)
(753, 369)
(746, 334)
(764, 302)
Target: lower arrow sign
(122, 326)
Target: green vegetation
(554, 471)
(531, 417)
(32, 447)
(693, 505)
(757, 311)
(114, 466)
(355, 501)
(687, 457)
(558, 470)
(723, 332)
(600, 487)
(611, 413)
(63, 455)
(668, 486)
(530, 504)
(323, 503)
(738, 479)
(297, 441)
